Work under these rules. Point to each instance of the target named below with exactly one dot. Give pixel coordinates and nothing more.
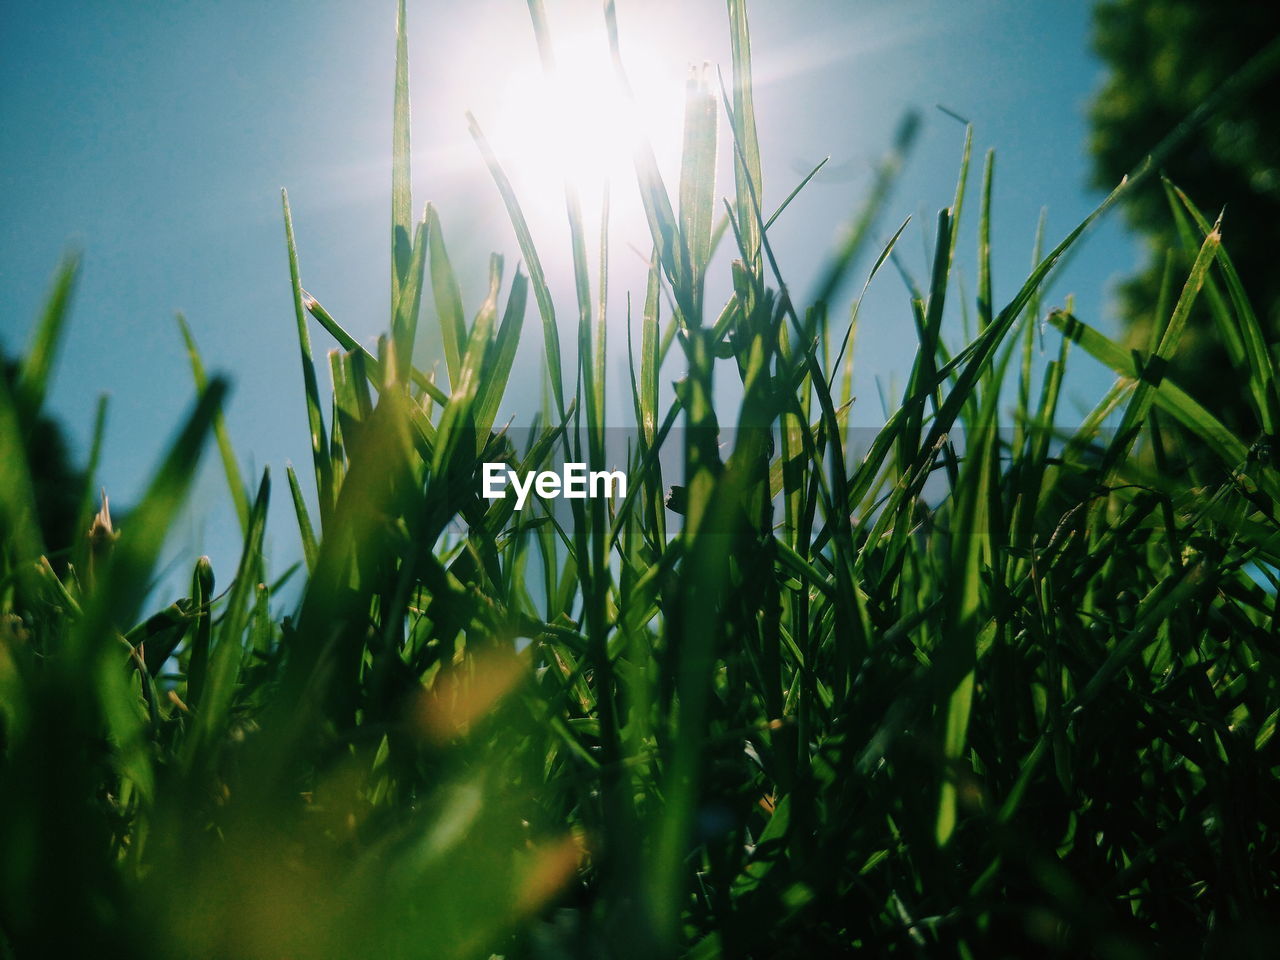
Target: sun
(576, 123)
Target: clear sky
(155, 137)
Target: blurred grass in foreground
(967, 691)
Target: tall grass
(970, 685)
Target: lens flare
(575, 121)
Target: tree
(1165, 57)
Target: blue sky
(155, 137)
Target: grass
(980, 687)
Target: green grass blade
(1168, 395)
(372, 367)
(1153, 368)
(315, 420)
(401, 187)
(1256, 350)
(986, 302)
(600, 345)
(228, 648)
(119, 597)
(664, 226)
(698, 177)
(541, 292)
(448, 298)
(748, 179)
(89, 493)
(504, 355)
(201, 630)
(404, 325)
(24, 541)
(470, 374)
(974, 358)
(37, 365)
(956, 659)
(235, 480)
(962, 186)
(795, 192)
(305, 530)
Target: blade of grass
(505, 345)
(37, 364)
(315, 420)
(541, 292)
(401, 187)
(448, 298)
(230, 466)
(305, 530)
(373, 368)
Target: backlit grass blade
(401, 187)
(118, 599)
(698, 177)
(346, 413)
(541, 33)
(1031, 438)
(956, 659)
(235, 481)
(461, 403)
(506, 342)
(664, 226)
(37, 363)
(201, 631)
(986, 307)
(373, 368)
(227, 650)
(90, 492)
(541, 292)
(598, 352)
(1028, 344)
(977, 355)
(1037, 252)
(405, 310)
(957, 204)
(929, 329)
(650, 360)
(1195, 281)
(782, 207)
(23, 539)
(1153, 367)
(311, 389)
(448, 298)
(746, 166)
(1168, 395)
(1256, 350)
(305, 529)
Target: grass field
(972, 685)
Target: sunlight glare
(579, 125)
